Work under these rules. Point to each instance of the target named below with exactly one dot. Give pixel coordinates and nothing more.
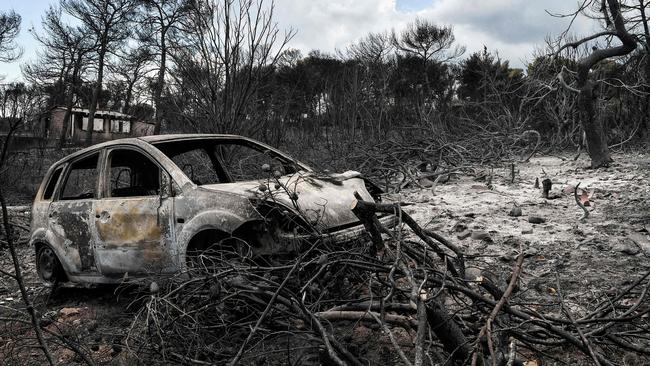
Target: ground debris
(536, 220)
(584, 262)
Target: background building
(107, 125)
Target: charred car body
(143, 206)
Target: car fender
(221, 220)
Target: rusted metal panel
(70, 223)
(120, 221)
(133, 235)
(201, 209)
(325, 203)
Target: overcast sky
(514, 28)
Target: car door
(71, 210)
(133, 219)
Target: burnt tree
(108, 25)
(585, 85)
(160, 20)
(9, 29)
(61, 65)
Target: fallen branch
(403, 321)
(487, 328)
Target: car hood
(325, 199)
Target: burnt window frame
(261, 149)
(228, 140)
(63, 180)
(61, 170)
(165, 178)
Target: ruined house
(45, 129)
(42, 133)
(107, 125)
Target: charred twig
(371, 208)
(269, 306)
(422, 331)
(586, 342)
(403, 321)
(487, 328)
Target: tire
(48, 266)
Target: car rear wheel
(48, 266)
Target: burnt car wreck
(146, 206)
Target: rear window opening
(51, 184)
(81, 182)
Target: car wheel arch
(212, 234)
(39, 244)
(46, 237)
(199, 236)
(205, 235)
(205, 240)
(224, 221)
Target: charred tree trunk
(591, 123)
(69, 101)
(160, 82)
(644, 103)
(646, 68)
(93, 102)
(647, 122)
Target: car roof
(96, 147)
(189, 136)
(154, 139)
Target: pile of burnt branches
(397, 163)
(408, 291)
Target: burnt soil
(589, 259)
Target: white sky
(514, 28)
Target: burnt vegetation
(411, 110)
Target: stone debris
(536, 220)
(515, 211)
(480, 235)
(464, 235)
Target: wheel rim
(46, 264)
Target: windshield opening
(213, 161)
